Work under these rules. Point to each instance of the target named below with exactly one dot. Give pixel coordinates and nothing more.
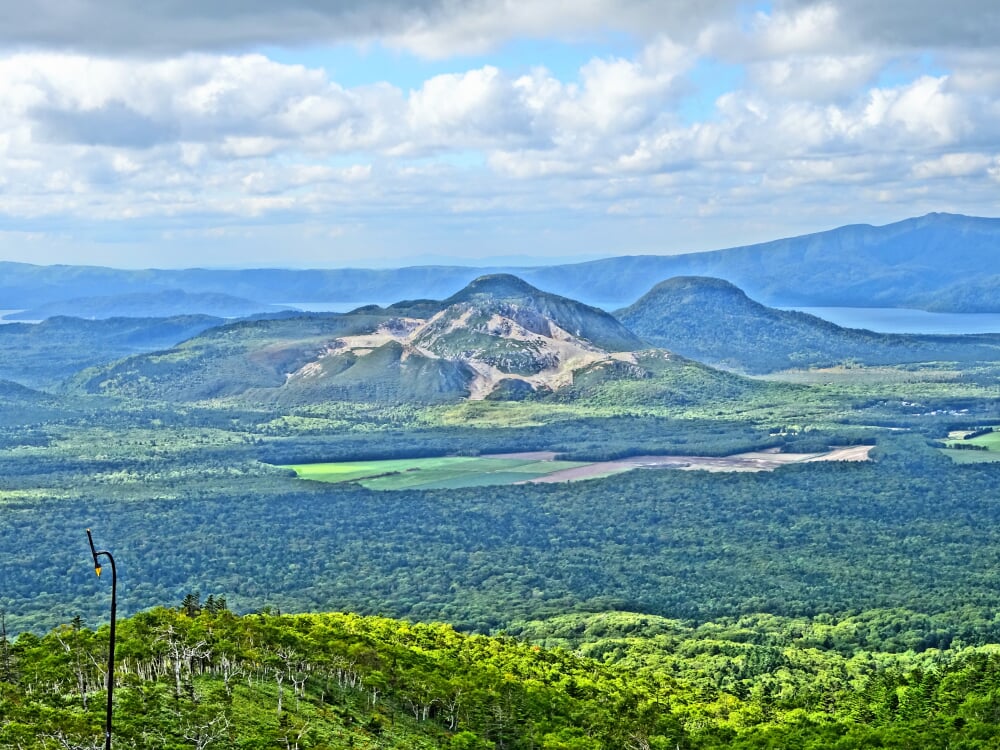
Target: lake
(11, 312)
(330, 307)
(882, 319)
(902, 320)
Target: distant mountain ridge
(906, 264)
(939, 261)
(162, 304)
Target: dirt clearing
(755, 461)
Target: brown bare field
(854, 453)
(754, 461)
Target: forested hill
(201, 677)
(162, 304)
(497, 338)
(715, 322)
(43, 355)
(938, 261)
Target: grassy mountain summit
(713, 321)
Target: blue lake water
(902, 320)
(11, 312)
(882, 319)
(330, 307)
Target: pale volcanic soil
(755, 461)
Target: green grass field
(432, 473)
(990, 441)
(972, 457)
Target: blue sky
(394, 132)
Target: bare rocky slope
(498, 337)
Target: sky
(327, 133)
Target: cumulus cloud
(815, 77)
(248, 136)
(955, 165)
(846, 27)
(111, 124)
(184, 133)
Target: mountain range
(940, 262)
(497, 338)
(501, 338)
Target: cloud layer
(439, 28)
(836, 112)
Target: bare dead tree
(204, 734)
(68, 744)
(181, 655)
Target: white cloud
(803, 31)
(914, 23)
(813, 128)
(955, 165)
(924, 113)
(481, 105)
(818, 78)
(191, 134)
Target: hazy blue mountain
(25, 286)
(974, 295)
(163, 304)
(936, 261)
(713, 321)
(899, 265)
(44, 354)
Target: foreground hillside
(713, 321)
(204, 678)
